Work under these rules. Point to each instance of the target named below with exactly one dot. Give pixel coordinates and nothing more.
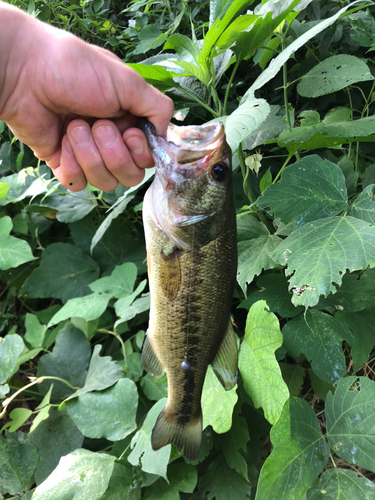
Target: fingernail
(80, 136)
(104, 136)
(135, 145)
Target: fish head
(192, 190)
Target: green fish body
(190, 229)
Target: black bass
(190, 229)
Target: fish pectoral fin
(225, 363)
(150, 361)
(170, 273)
(184, 436)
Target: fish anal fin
(170, 273)
(150, 361)
(186, 437)
(225, 363)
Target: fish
(190, 231)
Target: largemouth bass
(190, 229)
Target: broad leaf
(122, 485)
(154, 388)
(71, 206)
(153, 462)
(364, 206)
(333, 74)
(53, 438)
(89, 307)
(183, 477)
(271, 128)
(107, 414)
(18, 461)
(342, 484)
(350, 421)
(27, 182)
(80, 475)
(319, 337)
(13, 251)
(156, 75)
(69, 279)
(257, 363)
(297, 440)
(293, 376)
(217, 403)
(18, 417)
(254, 256)
(10, 348)
(220, 482)
(320, 252)
(120, 283)
(35, 332)
(316, 186)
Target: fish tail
(184, 436)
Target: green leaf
(319, 337)
(154, 388)
(217, 403)
(368, 176)
(13, 251)
(245, 120)
(102, 373)
(155, 75)
(342, 484)
(89, 307)
(80, 475)
(153, 462)
(265, 181)
(183, 477)
(299, 455)
(316, 186)
(350, 421)
(53, 438)
(257, 363)
(362, 325)
(127, 311)
(293, 376)
(4, 188)
(4, 389)
(120, 283)
(333, 74)
(220, 482)
(181, 44)
(320, 387)
(271, 128)
(27, 182)
(10, 348)
(122, 485)
(18, 461)
(107, 414)
(274, 291)
(254, 256)
(35, 332)
(5, 157)
(249, 227)
(44, 408)
(320, 252)
(149, 37)
(68, 360)
(71, 206)
(64, 281)
(18, 417)
(364, 206)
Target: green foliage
(294, 86)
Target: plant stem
(282, 168)
(229, 85)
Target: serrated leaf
(153, 462)
(249, 227)
(254, 256)
(364, 206)
(107, 414)
(350, 421)
(319, 337)
(11, 347)
(274, 291)
(245, 120)
(217, 403)
(80, 475)
(13, 251)
(297, 440)
(320, 252)
(68, 360)
(220, 482)
(69, 279)
(89, 307)
(183, 477)
(257, 363)
(53, 438)
(120, 283)
(18, 461)
(333, 74)
(342, 484)
(316, 186)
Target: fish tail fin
(184, 436)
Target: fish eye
(219, 172)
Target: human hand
(76, 105)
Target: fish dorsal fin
(170, 273)
(225, 363)
(150, 361)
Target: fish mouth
(186, 144)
